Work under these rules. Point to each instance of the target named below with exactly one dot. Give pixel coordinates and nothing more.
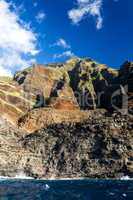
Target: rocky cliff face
(14, 101)
(37, 119)
(67, 120)
(78, 84)
(100, 147)
(14, 159)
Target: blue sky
(55, 30)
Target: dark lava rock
(96, 148)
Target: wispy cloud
(87, 8)
(65, 54)
(61, 43)
(17, 40)
(35, 4)
(40, 16)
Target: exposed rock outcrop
(39, 118)
(77, 84)
(89, 80)
(14, 158)
(81, 79)
(67, 120)
(100, 147)
(14, 101)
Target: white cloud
(65, 54)
(87, 8)
(40, 17)
(61, 43)
(17, 40)
(5, 72)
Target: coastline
(124, 178)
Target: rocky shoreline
(100, 147)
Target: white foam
(4, 177)
(22, 175)
(47, 186)
(125, 178)
(112, 193)
(124, 194)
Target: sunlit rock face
(78, 84)
(39, 118)
(14, 101)
(76, 81)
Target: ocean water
(66, 190)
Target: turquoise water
(66, 190)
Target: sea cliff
(67, 120)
